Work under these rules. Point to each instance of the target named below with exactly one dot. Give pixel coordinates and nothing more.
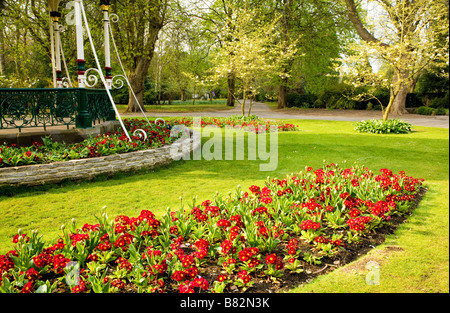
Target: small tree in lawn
(408, 35)
(252, 54)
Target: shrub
(383, 127)
(300, 100)
(441, 111)
(336, 97)
(423, 110)
(440, 102)
(413, 100)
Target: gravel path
(264, 111)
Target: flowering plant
(219, 244)
(49, 151)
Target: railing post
(84, 118)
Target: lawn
(183, 106)
(414, 259)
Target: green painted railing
(43, 107)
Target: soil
(352, 252)
(263, 284)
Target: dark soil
(351, 253)
(263, 284)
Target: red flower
(223, 223)
(255, 189)
(27, 287)
(80, 287)
(222, 277)
(178, 276)
(16, 238)
(245, 255)
(354, 212)
(308, 224)
(118, 283)
(32, 274)
(271, 258)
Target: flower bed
(158, 134)
(249, 123)
(50, 151)
(268, 237)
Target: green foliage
(440, 102)
(300, 100)
(424, 110)
(431, 82)
(339, 96)
(390, 126)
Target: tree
(136, 34)
(253, 53)
(407, 36)
(25, 42)
(218, 18)
(317, 30)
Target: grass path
(414, 259)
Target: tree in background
(136, 34)
(25, 54)
(253, 53)
(411, 36)
(320, 33)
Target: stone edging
(81, 169)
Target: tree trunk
(137, 80)
(231, 89)
(388, 108)
(282, 94)
(243, 102)
(250, 106)
(399, 105)
(138, 87)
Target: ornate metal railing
(43, 107)
(99, 106)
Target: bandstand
(81, 107)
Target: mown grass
(414, 259)
(183, 106)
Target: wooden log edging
(88, 168)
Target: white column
(80, 44)
(58, 54)
(108, 69)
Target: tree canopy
(180, 49)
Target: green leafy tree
(253, 53)
(319, 32)
(136, 34)
(408, 35)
